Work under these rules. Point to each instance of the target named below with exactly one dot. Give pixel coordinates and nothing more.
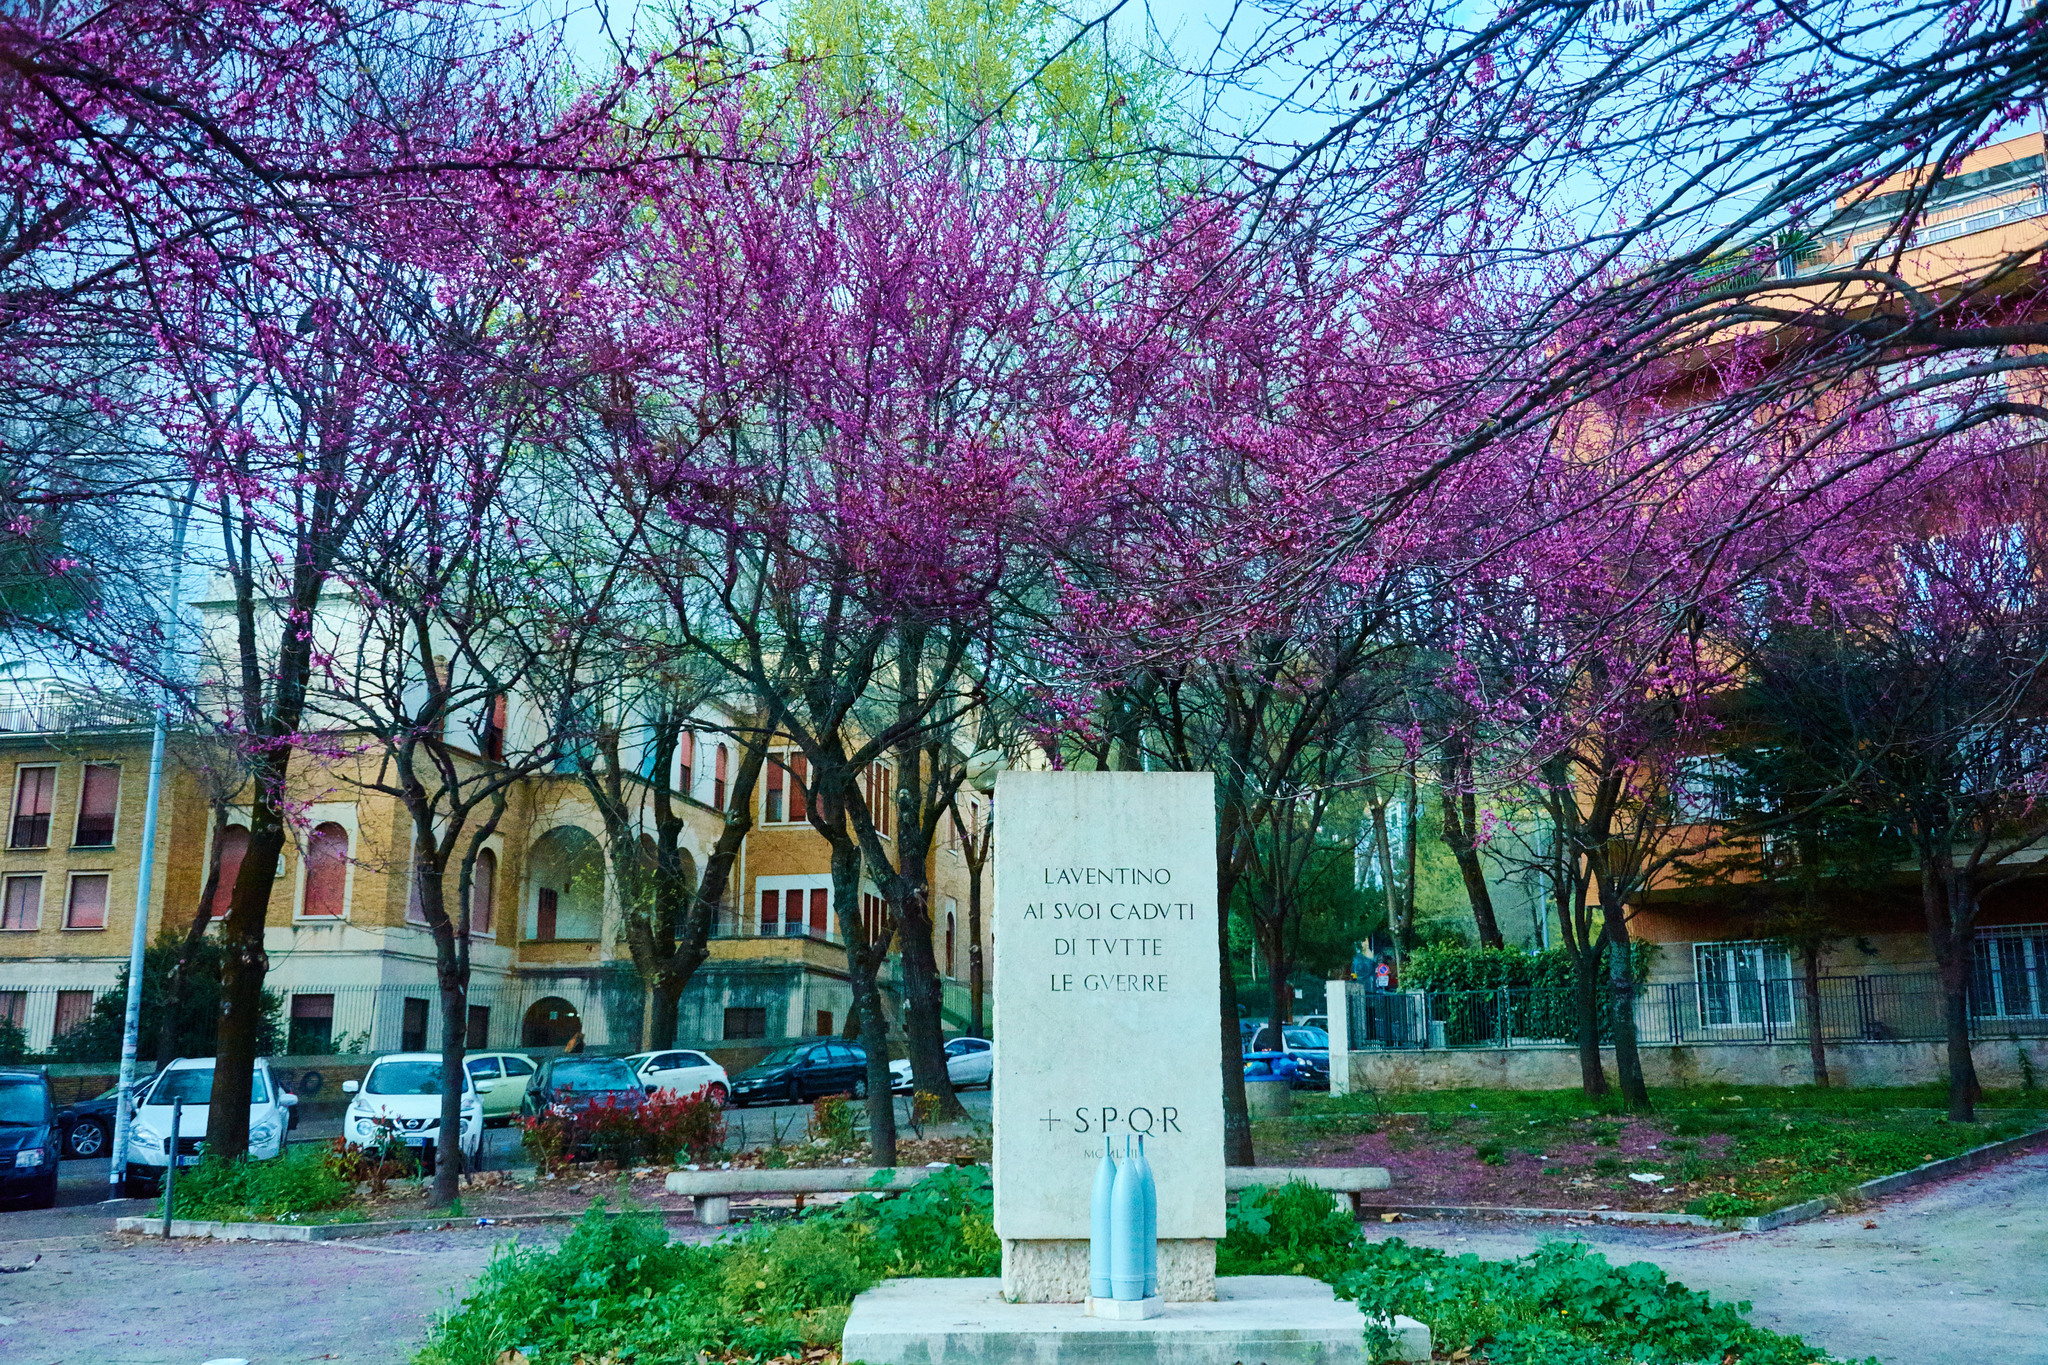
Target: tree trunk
(924, 995)
(454, 981)
(1461, 834)
(243, 964)
(1950, 930)
(863, 961)
(1628, 1061)
(977, 1018)
(195, 932)
(1816, 1039)
(664, 1002)
(1586, 977)
(1237, 1121)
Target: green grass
(299, 1186)
(1664, 1100)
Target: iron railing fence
(1875, 1008)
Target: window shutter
(798, 774)
(820, 901)
(88, 908)
(772, 802)
(770, 901)
(96, 802)
(686, 763)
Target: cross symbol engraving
(1051, 1120)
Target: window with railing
(2011, 979)
(1742, 984)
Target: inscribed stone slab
(1106, 996)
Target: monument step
(1254, 1320)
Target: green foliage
(98, 1037)
(302, 1182)
(615, 1287)
(1562, 1304)
(13, 1041)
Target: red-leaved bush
(662, 1129)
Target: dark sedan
(800, 1073)
(577, 1081)
(88, 1125)
(28, 1139)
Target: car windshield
(194, 1085)
(23, 1102)
(404, 1078)
(787, 1056)
(592, 1076)
(1307, 1037)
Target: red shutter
(770, 903)
(326, 872)
(483, 891)
(718, 781)
(545, 929)
(686, 763)
(797, 775)
(820, 900)
(772, 809)
(234, 842)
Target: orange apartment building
(350, 955)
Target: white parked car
(969, 1061)
(681, 1073)
(400, 1101)
(190, 1080)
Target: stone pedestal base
(1052, 1271)
(1255, 1319)
(1126, 1310)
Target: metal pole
(171, 1170)
(138, 939)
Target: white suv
(400, 1101)
(190, 1079)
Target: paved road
(1956, 1271)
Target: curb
(1971, 1160)
(208, 1229)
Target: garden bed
(1714, 1153)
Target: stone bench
(711, 1192)
(1350, 1181)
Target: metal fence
(1879, 1008)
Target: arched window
(326, 872)
(483, 892)
(234, 843)
(949, 945)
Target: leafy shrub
(657, 1129)
(1721, 1205)
(833, 1120)
(1492, 1153)
(13, 1041)
(195, 1021)
(616, 1288)
(303, 1181)
(1560, 1306)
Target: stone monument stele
(1106, 1024)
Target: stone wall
(1557, 1068)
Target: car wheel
(719, 1095)
(87, 1138)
